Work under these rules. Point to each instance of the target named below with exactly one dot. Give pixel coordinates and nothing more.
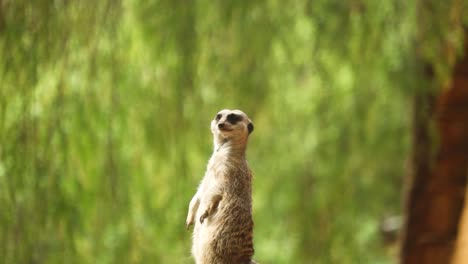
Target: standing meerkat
(221, 209)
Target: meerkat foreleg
(212, 206)
(193, 208)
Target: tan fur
(222, 207)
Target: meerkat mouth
(225, 129)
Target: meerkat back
(221, 209)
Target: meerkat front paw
(203, 217)
(189, 221)
(193, 207)
(212, 207)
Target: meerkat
(221, 209)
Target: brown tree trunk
(461, 84)
(439, 176)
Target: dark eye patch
(218, 117)
(233, 118)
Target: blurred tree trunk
(439, 172)
(461, 82)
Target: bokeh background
(105, 109)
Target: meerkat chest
(219, 166)
(216, 175)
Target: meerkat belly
(232, 232)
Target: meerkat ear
(250, 127)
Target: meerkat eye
(233, 118)
(218, 117)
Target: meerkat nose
(221, 125)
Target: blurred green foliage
(105, 109)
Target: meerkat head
(231, 125)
